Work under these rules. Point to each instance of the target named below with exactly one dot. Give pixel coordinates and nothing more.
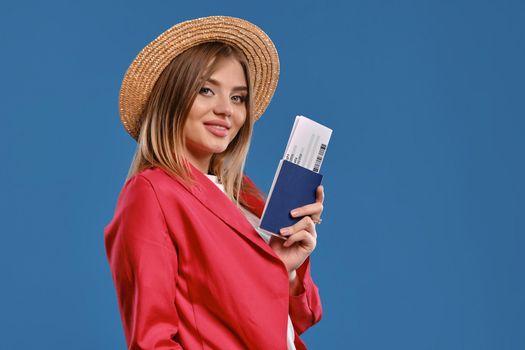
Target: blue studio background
(422, 244)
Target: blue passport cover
(294, 187)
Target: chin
(214, 149)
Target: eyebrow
(236, 88)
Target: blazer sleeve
(143, 261)
(305, 308)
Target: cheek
(197, 110)
(240, 119)
(239, 124)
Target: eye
(239, 99)
(205, 91)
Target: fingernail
(284, 231)
(294, 212)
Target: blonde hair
(161, 142)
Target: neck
(201, 163)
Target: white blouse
(255, 221)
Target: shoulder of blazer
(211, 197)
(252, 196)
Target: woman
(190, 269)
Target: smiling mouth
(217, 130)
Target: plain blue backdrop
(422, 244)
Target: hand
(302, 237)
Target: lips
(218, 122)
(218, 127)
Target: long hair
(161, 142)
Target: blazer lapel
(219, 204)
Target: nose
(223, 106)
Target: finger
(319, 194)
(304, 238)
(316, 217)
(305, 223)
(309, 209)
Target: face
(217, 114)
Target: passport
(293, 186)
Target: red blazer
(192, 273)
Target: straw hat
(148, 65)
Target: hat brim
(144, 71)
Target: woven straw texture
(151, 61)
